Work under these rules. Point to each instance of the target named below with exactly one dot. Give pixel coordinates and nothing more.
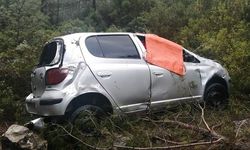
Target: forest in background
(219, 30)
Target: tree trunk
(94, 4)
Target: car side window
(189, 58)
(112, 46)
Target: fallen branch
(239, 127)
(212, 132)
(173, 142)
(203, 118)
(185, 126)
(216, 126)
(208, 132)
(168, 147)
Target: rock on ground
(20, 137)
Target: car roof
(78, 35)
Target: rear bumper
(45, 106)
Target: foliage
(223, 34)
(74, 26)
(216, 29)
(166, 20)
(23, 31)
(141, 131)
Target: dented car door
(168, 87)
(164, 87)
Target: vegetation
(163, 129)
(215, 29)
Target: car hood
(213, 65)
(208, 61)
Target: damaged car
(121, 73)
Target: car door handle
(158, 73)
(104, 74)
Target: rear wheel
(216, 95)
(87, 117)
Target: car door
(168, 87)
(189, 85)
(118, 66)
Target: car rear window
(112, 46)
(50, 54)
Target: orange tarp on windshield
(164, 53)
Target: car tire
(216, 96)
(87, 117)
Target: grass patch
(137, 131)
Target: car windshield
(50, 54)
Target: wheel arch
(93, 98)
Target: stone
(20, 137)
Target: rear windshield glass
(50, 54)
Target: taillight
(56, 75)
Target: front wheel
(216, 95)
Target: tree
(127, 15)
(223, 34)
(167, 20)
(23, 31)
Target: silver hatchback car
(108, 72)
